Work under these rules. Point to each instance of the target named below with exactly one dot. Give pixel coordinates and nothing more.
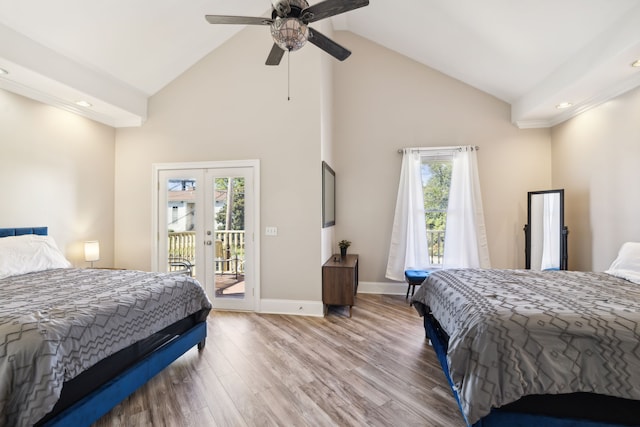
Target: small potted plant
(344, 244)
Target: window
(439, 189)
(435, 171)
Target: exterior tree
(236, 221)
(435, 186)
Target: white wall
(596, 159)
(231, 106)
(327, 235)
(228, 107)
(383, 102)
(57, 170)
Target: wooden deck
(230, 285)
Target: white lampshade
(92, 251)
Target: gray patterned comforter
(56, 323)
(518, 332)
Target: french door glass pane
(181, 225)
(229, 229)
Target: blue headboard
(6, 232)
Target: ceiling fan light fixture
(290, 34)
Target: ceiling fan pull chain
(289, 75)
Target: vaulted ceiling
(532, 54)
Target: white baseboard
(386, 288)
(293, 307)
(316, 308)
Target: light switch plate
(271, 231)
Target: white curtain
(408, 249)
(465, 241)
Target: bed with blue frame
(93, 393)
(447, 300)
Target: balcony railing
(228, 256)
(435, 244)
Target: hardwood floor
(375, 368)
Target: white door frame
(252, 163)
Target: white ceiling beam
(37, 72)
(604, 60)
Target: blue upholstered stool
(415, 278)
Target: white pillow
(29, 253)
(627, 265)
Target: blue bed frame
(498, 418)
(96, 404)
(7, 232)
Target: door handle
(208, 242)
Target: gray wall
(231, 106)
(62, 170)
(57, 170)
(596, 159)
(383, 102)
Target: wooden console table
(340, 281)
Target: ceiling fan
(289, 25)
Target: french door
(206, 227)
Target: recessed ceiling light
(84, 103)
(563, 105)
(636, 63)
(3, 71)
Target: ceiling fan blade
(328, 45)
(329, 8)
(275, 55)
(238, 20)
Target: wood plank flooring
(375, 369)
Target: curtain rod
(457, 147)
